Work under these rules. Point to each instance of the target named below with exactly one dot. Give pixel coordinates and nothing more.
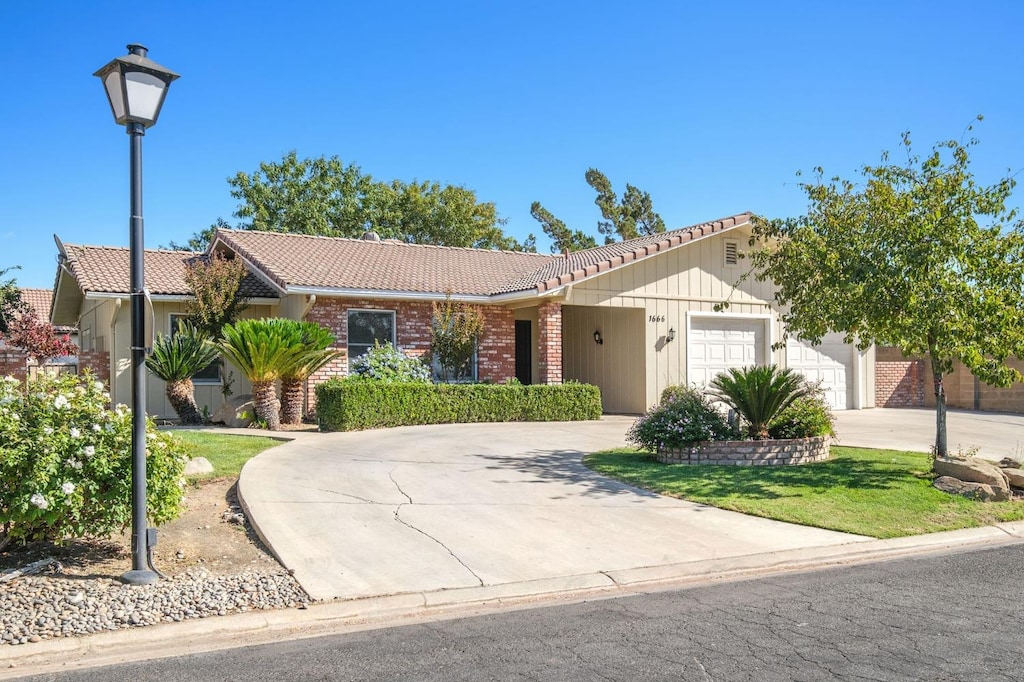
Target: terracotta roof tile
(105, 269)
(292, 260)
(38, 300)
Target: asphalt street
(954, 616)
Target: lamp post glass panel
(136, 87)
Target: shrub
(65, 462)
(806, 417)
(758, 394)
(385, 362)
(352, 403)
(684, 417)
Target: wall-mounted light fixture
(671, 336)
(598, 339)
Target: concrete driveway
(995, 435)
(426, 508)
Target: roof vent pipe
(371, 236)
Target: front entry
(524, 352)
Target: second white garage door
(830, 362)
(719, 343)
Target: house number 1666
(656, 318)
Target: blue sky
(710, 107)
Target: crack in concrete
(398, 517)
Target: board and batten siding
(664, 288)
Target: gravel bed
(35, 608)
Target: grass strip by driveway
(880, 493)
(227, 453)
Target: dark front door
(524, 351)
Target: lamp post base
(140, 577)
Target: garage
(831, 362)
(717, 343)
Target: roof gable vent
(732, 256)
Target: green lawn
(881, 493)
(226, 453)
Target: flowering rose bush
(685, 416)
(65, 462)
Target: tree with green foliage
(324, 196)
(215, 282)
(175, 360)
(631, 217)
(562, 238)
(11, 304)
(454, 330)
(314, 349)
(918, 256)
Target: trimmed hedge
(350, 404)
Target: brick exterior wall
(14, 363)
(751, 453)
(907, 382)
(97, 361)
(496, 359)
(899, 381)
(549, 359)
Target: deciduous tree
(215, 283)
(918, 256)
(38, 338)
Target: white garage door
(831, 363)
(716, 344)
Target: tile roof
(575, 266)
(298, 261)
(293, 260)
(39, 301)
(105, 269)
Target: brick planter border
(751, 452)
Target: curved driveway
(425, 508)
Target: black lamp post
(136, 88)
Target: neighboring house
(631, 317)
(15, 362)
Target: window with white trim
(211, 374)
(367, 327)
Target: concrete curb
(262, 627)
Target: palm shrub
(175, 359)
(758, 394)
(684, 417)
(263, 350)
(314, 348)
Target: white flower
(74, 464)
(60, 402)
(98, 385)
(47, 430)
(75, 433)
(39, 501)
(89, 450)
(97, 428)
(150, 436)
(16, 417)
(67, 488)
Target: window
(211, 374)
(366, 327)
(463, 375)
(732, 256)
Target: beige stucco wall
(669, 288)
(117, 342)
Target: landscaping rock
(236, 413)
(198, 466)
(1009, 463)
(972, 490)
(1015, 477)
(972, 470)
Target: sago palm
(263, 351)
(758, 394)
(314, 348)
(176, 359)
